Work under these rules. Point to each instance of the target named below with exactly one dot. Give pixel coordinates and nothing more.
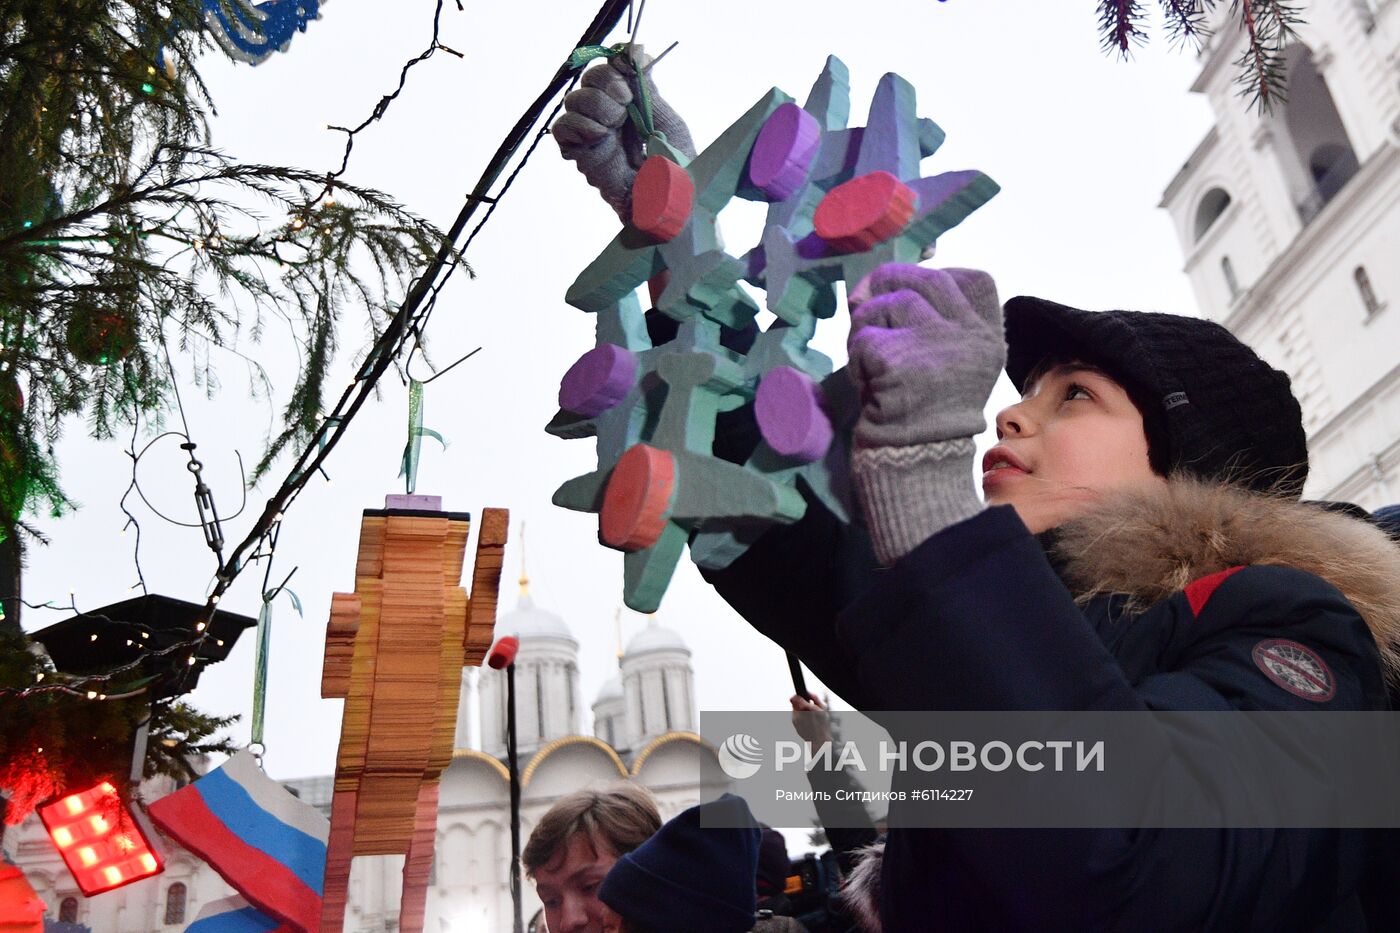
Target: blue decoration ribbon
(260, 661)
(416, 432)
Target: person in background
(577, 842)
(690, 878)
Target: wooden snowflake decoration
(841, 201)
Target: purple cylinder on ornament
(600, 379)
(783, 151)
(790, 414)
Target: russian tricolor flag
(267, 844)
(234, 915)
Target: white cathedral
(1290, 225)
(644, 721)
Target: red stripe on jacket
(1199, 592)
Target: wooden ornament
(841, 200)
(406, 634)
(783, 152)
(486, 584)
(600, 379)
(638, 499)
(662, 198)
(790, 416)
(864, 211)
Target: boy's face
(568, 886)
(1074, 435)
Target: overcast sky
(1081, 144)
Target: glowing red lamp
(101, 841)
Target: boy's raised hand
(926, 347)
(597, 133)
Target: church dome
(612, 690)
(527, 620)
(655, 638)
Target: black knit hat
(1219, 410)
(688, 877)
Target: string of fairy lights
(407, 326)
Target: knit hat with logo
(1211, 407)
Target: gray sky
(1081, 144)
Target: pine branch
(1269, 27)
(1186, 22)
(1121, 25)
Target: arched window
(1331, 165)
(1318, 137)
(1210, 209)
(175, 904)
(1227, 268)
(68, 910)
(1368, 293)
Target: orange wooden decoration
(395, 649)
(486, 579)
(662, 198)
(869, 209)
(340, 645)
(638, 499)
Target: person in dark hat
(1140, 545)
(696, 875)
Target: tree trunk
(11, 570)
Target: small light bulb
(145, 634)
(298, 223)
(199, 626)
(39, 677)
(219, 642)
(93, 637)
(92, 694)
(102, 696)
(129, 642)
(190, 660)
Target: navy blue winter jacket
(984, 605)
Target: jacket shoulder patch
(1295, 668)
(1199, 592)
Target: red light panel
(100, 840)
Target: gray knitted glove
(926, 347)
(596, 132)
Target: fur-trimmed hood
(1151, 544)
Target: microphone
(503, 654)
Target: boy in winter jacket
(1141, 547)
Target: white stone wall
(1299, 302)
